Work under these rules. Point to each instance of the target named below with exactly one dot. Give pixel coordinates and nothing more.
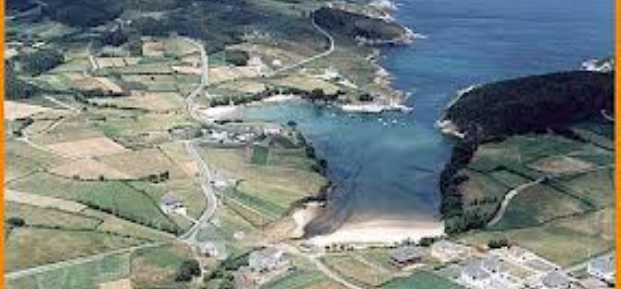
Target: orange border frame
(617, 138)
(2, 44)
(617, 106)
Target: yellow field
(560, 165)
(141, 163)
(15, 110)
(244, 86)
(118, 284)
(228, 73)
(89, 169)
(99, 146)
(152, 101)
(42, 201)
(307, 83)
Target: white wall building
(603, 268)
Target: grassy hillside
(537, 160)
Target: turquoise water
(387, 166)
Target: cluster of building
(242, 134)
(263, 265)
(516, 267)
(410, 256)
(507, 268)
(603, 269)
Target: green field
(567, 217)
(422, 280)
(155, 267)
(265, 192)
(354, 269)
(115, 197)
(260, 155)
(298, 279)
(28, 247)
(48, 217)
(537, 205)
(81, 276)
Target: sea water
(386, 167)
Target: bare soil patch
(15, 110)
(118, 284)
(89, 169)
(560, 165)
(42, 201)
(92, 147)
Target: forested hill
(532, 103)
(359, 26)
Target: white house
(488, 273)
(214, 250)
(555, 280)
(474, 275)
(446, 251)
(172, 204)
(267, 260)
(603, 268)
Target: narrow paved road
(508, 197)
(312, 58)
(206, 177)
(190, 235)
(517, 190)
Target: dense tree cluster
(355, 25)
(452, 207)
(187, 271)
(40, 61)
(19, 5)
(115, 37)
(533, 103)
(83, 13)
(237, 57)
(16, 88)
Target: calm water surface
(387, 166)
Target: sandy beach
(221, 112)
(382, 232)
(280, 98)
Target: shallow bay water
(386, 167)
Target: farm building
(405, 256)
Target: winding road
(206, 179)
(508, 197)
(517, 190)
(312, 58)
